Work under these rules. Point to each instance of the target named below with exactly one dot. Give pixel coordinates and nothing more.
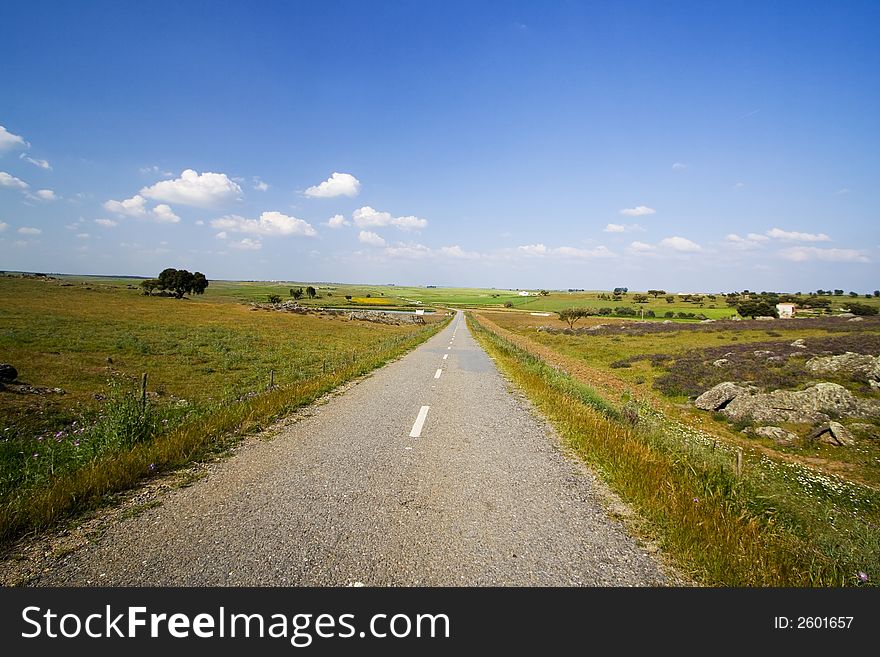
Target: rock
(720, 396)
(779, 435)
(813, 405)
(799, 343)
(832, 433)
(846, 315)
(765, 319)
(721, 362)
(8, 372)
(856, 319)
(667, 321)
(846, 364)
(762, 353)
(707, 321)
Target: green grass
(776, 524)
(208, 365)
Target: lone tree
(572, 315)
(296, 293)
(670, 298)
(862, 309)
(640, 298)
(311, 292)
(756, 308)
(181, 281)
(656, 293)
(543, 293)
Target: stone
(718, 397)
(846, 315)
(832, 433)
(856, 319)
(667, 321)
(721, 362)
(762, 353)
(799, 344)
(848, 364)
(813, 405)
(779, 435)
(8, 373)
(765, 319)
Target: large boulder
(832, 433)
(720, 396)
(779, 435)
(8, 373)
(815, 405)
(847, 364)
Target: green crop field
(81, 345)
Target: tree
(640, 298)
(862, 309)
(854, 295)
(149, 285)
(571, 315)
(296, 293)
(311, 292)
(877, 293)
(348, 297)
(838, 293)
(181, 281)
(670, 298)
(274, 298)
(544, 293)
(756, 308)
(656, 293)
(507, 304)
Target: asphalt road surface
(429, 472)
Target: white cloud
(807, 253)
(750, 241)
(638, 211)
(3, 226)
(367, 217)
(247, 244)
(200, 222)
(641, 247)
(757, 237)
(615, 228)
(795, 236)
(203, 190)
(154, 169)
(8, 141)
(43, 164)
(841, 191)
(27, 230)
(7, 180)
(339, 184)
(83, 236)
(739, 185)
(221, 235)
(455, 251)
(136, 206)
(269, 223)
(371, 238)
(681, 244)
(679, 166)
(413, 251)
(409, 223)
(259, 185)
(46, 195)
(338, 221)
(107, 223)
(565, 251)
(165, 215)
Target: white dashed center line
(438, 373)
(420, 422)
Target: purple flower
(863, 576)
(696, 499)
(152, 467)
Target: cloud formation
(28, 230)
(638, 211)
(338, 221)
(795, 236)
(46, 195)
(201, 190)
(43, 164)
(371, 238)
(565, 251)
(809, 253)
(682, 244)
(367, 217)
(107, 223)
(7, 180)
(9, 141)
(269, 223)
(339, 184)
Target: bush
(508, 304)
(669, 314)
(650, 313)
(625, 311)
(862, 309)
(274, 298)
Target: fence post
(739, 461)
(143, 393)
(271, 379)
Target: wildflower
(863, 576)
(152, 467)
(696, 499)
(36, 456)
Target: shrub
(862, 309)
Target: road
(428, 472)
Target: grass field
(797, 515)
(208, 364)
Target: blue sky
(688, 146)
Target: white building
(785, 310)
(523, 293)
